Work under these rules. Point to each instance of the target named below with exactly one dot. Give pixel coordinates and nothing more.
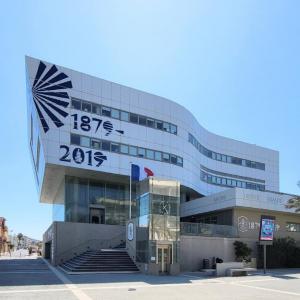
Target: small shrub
(242, 251)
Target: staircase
(105, 260)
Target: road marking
(69, 284)
(267, 289)
(33, 291)
(25, 272)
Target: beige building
(4, 239)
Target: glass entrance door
(97, 215)
(164, 258)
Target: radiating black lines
(48, 95)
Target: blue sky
(234, 64)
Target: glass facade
(83, 194)
(158, 221)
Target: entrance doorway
(97, 215)
(164, 258)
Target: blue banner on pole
(135, 172)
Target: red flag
(148, 172)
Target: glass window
(166, 126)
(141, 152)
(224, 158)
(76, 104)
(223, 181)
(96, 109)
(173, 129)
(105, 145)
(233, 182)
(85, 141)
(115, 113)
(244, 162)
(124, 149)
(142, 120)
(243, 184)
(124, 116)
(150, 122)
(218, 180)
(159, 125)
(229, 182)
(133, 150)
(166, 157)
(133, 118)
(229, 159)
(213, 179)
(86, 106)
(239, 184)
(173, 159)
(75, 139)
(115, 147)
(236, 160)
(150, 154)
(214, 155)
(96, 144)
(179, 161)
(106, 111)
(219, 156)
(158, 155)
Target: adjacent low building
(84, 133)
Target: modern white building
(85, 132)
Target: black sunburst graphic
(49, 95)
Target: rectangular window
(229, 159)
(166, 126)
(150, 122)
(105, 145)
(106, 111)
(159, 125)
(173, 159)
(166, 157)
(76, 104)
(219, 181)
(115, 113)
(133, 150)
(115, 147)
(124, 116)
(142, 120)
(141, 152)
(179, 161)
(96, 144)
(75, 139)
(214, 155)
(229, 182)
(239, 184)
(219, 156)
(86, 106)
(85, 141)
(233, 182)
(223, 181)
(173, 129)
(96, 109)
(134, 118)
(124, 149)
(150, 154)
(224, 159)
(158, 156)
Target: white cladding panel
(56, 141)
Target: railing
(93, 244)
(202, 229)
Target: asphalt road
(30, 278)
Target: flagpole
(130, 179)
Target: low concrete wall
(193, 249)
(71, 239)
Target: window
(166, 126)
(150, 122)
(141, 152)
(124, 116)
(75, 139)
(224, 158)
(219, 156)
(173, 129)
(179, 161)
(214, 155)
(150, 154)
(142, 120)
(223, 181)
(85, 141)
(87, 107)
(159, 125)
(173, 159)
(115, 147)
(166, 157)
(105, 145)
(236, 160)
(229, 159)
(115, 113)
(96, 144)
(96, 109)
(133, 118)
(106, 111)
(133, 150)
(158, 155)
(76, 104)
(124, 149)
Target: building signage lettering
(79, 156)
(244, 225)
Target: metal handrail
(89, 244)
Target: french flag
(136, 175)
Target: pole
(265, 258)
(130, 191)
